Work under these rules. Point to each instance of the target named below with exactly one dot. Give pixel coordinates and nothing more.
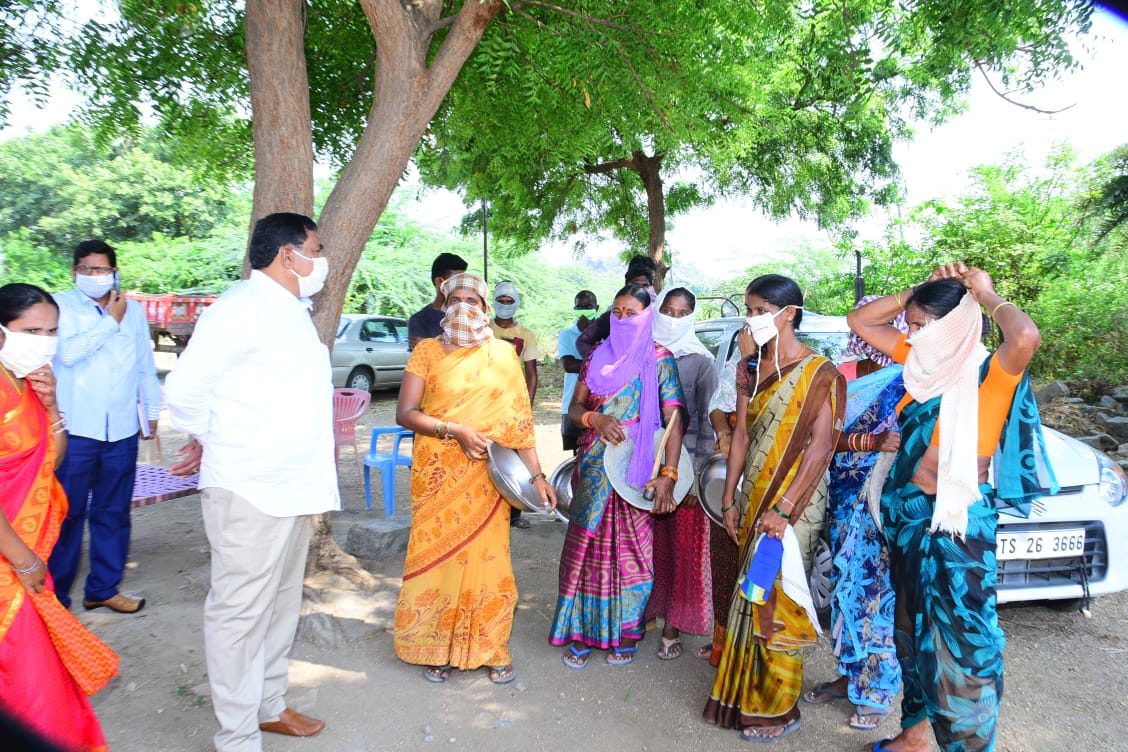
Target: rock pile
(1103, 426)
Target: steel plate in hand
(617, 459)
(561, 481)
(512, 478)
(711, 486)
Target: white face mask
(311, 284)
(763, 327)
(94, 286)
(22, 353)
(668, 329)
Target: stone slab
(379, 539)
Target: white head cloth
(944, 362)
(677, 335)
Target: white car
(370, 352)
(1075, 542)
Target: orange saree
(458, 597)
(48, 660)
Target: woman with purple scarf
(627, 386)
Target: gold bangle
(897, 297)
(1000, 305)
(538, 476)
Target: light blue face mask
(94, 286)
(505, 310)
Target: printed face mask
(22, 353)
(466, 325)
(94, 286)
(311, 284)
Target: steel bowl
(617, 459)
(513, 479)
(711, 486)
(561, 480)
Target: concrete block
(379, 539)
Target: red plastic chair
(348, 406)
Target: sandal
(824, 693)
(576, 659)
(670, 648)
(755, 733)
(437, 674)
(520, 523)
(502, 674)
(704, 653)
(621, 656)
(869, 720)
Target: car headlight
(1113, 485)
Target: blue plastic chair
(386, 463)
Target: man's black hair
(447, 265)
(87, 247)
(274, 231)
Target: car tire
(360, 378)
(822, 563)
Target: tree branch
(604, 168)
(573, 13)
(439, 25)
(1006, 97)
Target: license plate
(1048, 544)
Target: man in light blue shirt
(107, 387)
(571, 360)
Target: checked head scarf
(464, 324)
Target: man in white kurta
(254, 390)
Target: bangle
(669, 471)
(585, 419)
(783, 498)
(439, 432)
(897, 297)
(724, 435)
(538, 476)
(726, 508)
(35, 565)
(1000, 305)
(784, 515)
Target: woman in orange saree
(49, 662)
(460, 391)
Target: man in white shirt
(107, 387)
(571, 361)
(254, 390)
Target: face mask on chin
(311, 284)
(94, 286)
(22, 353)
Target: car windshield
(341, 327)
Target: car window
(378, 330)
(401, 332)
(712, 339)
(830, 344)
(341, 327)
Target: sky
(731, 236)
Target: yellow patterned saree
(760, 672)
(458, 597)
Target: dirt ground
(1065, 675)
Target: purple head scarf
(624, 356)
(859, 346)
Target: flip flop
(621, 656)
(879, 746)
(437, 674)
(670, 648)
(580, 661)
(704, 653)
(868, 721)
(520, 523)
(787, 729)
(822, 694)
(502, 674)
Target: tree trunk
(407, 95)
(649, 169)
(280, 118)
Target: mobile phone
(117, 281)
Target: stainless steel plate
(512, 478)
(617, 459)
(711, 486)
(561, 480)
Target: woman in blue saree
(627, 385)
(861, 607)
(963, 406)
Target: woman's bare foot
(913, 739)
